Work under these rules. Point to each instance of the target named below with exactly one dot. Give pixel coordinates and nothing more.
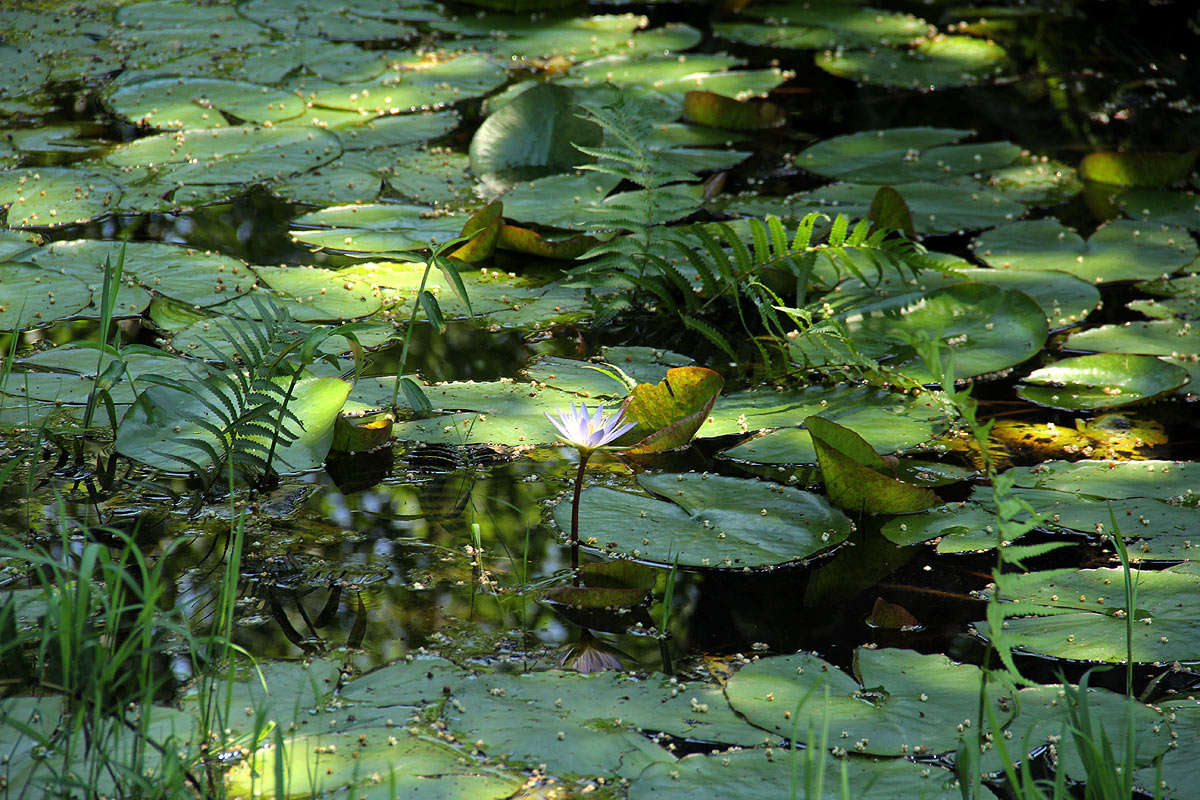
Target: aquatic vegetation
(887, 322)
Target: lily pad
(321, 294)
(66, 374)
(1044, 718)
(1179, 762)
(562, 201)
(1107, 380)
(408, 88)
(987, 328)
(575, 724)
(890, 421)
(197, 278)
(707, 521)
(904, 703)
(1113, 479)
(49, 197)
(857, 478)
(191, 102)
(1160, 337)
(1161, 207)
(375, 227)
(852, 25)
(160, 427)
(1080, 614)
(374, 761)
(524, 37)
(940, 62)
(770, 775)
(538, 129)
(954, 206)
(904, 155)
(34, 296)
(1119, 250)
(231, 155)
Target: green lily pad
(707, 521)
(522, 36)
(1113, 479)
(960, 526)
(1161, 207)
(940, 62)
(669, 78)
(376, 227)
(1036, 180)
(49, 197)
(951, 207)
(572, 723)
(1119, 250)
(1179, 762)
(857, 478)
(65, 374)
(538, 129)
(374, 761)
(1160, 337)
(14, 245)
(408, 88)
(159, 428)
(769, 775)
(904, 703)
(852, 25)
(890, 421)
(56, 138)
(1072, 621)
(331, 184)
(197, 278)
(495, 412)
(1043, 718)
(191, 102)
(1107, 380)
(232, 155)
(641, 365)
(1153, 529)
(987, 328)
(1063, 298)
(321, 294)
(396, 130)
(337, 21)
(34, 296)
(560, 201)
(905, 155)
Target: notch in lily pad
(857, 478)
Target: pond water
(279, 170)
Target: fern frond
(710, 333)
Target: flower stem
(583, 459)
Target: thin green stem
(408, 332)
(583, 460)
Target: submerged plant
(586, 431)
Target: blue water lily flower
(586, 430)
